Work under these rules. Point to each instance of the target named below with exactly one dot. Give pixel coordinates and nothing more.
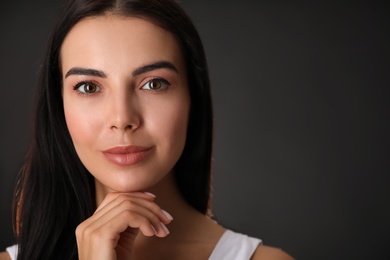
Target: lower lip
(127, 159)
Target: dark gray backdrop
(301, 105)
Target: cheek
(168, 124)
(80, 125)
(175, 128)
(178, 124)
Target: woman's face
(126, 100)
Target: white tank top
(234, 246)
(13, 252)
(231, 246)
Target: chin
(131, 184)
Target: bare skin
(192, 234)
(122, 107)
(4, 256)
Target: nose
(123, 112)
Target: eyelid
(162, 81)
(80, 84)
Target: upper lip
(127, 149)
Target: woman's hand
(111, 231)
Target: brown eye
(155, 84)
(90, 88)
(87, 88)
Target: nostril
(126, 127)
(124, 121)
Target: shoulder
(266, 252)
(4, 256)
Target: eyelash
(80, 84)
(164, 84)
(162, 81)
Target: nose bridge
(123, 112)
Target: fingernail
(150, 194)
(169, 216)
(154, 230)
(165, 228)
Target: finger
(104, 236)
(110, 201)
(148, 210)
(114, 195)
(164, 216)
(125, 223)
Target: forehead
(114, 41)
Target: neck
(189, 229)
(169, 198)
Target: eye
(87, 88)
(156, 84)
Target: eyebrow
(138, 71)
(155, 66)
(86, 72)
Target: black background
(301, 115)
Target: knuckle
(87, 231)
(155, 208)
(127, 204)
(109, 197)
(145, 222)
(113, 196)
(122, 196)
(79, 231)
(127, 214)
(96, 234)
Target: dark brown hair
(55, 192)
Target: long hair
(55, 192)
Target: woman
(119, 165)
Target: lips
(127, 155)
